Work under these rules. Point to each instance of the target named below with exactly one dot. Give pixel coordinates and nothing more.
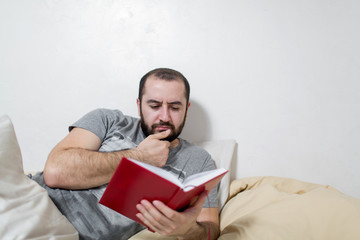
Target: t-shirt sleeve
(212, 199)
(98, 121)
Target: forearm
(202, 231)
(77, 168)
(75, 162)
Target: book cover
(134, 181)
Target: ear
(187, 108)
(189, 104)
(138, 105)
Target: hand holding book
(134, 181)
(160, 218)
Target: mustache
(162, 123)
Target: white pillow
(222, 151)
(26, 211)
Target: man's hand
(75, 163)
(165, 221)
(154, 151)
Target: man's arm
(193, 223)
(75, 162)
(207, 227)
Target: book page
(200, 178)
(189, 182)
(160, 172)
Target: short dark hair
(165, 74)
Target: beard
(149, 130)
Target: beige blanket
(279, 208)
(273, 208)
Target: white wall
(281, 77)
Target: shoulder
(203, 161)
(113, 118)
(103, 121)
(104, 112)
(109, 115)
(193, 147)
(196, 151)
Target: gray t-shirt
(119, 132)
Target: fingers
(154, 151)
(177, 223)
(160, 135)
(165, 210)
(164, 220)
(152, 217)
(145, 216)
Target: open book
(134, 181)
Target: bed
(264, 207)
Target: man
(80, 166)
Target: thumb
(202, 198)
(197, 202)
(161, 135)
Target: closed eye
(175, 108)
(154, 106)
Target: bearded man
(80, 166)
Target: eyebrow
(158, 102)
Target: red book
(134, 181)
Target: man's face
(163, 106)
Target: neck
(174, 143)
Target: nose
(164, 114)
